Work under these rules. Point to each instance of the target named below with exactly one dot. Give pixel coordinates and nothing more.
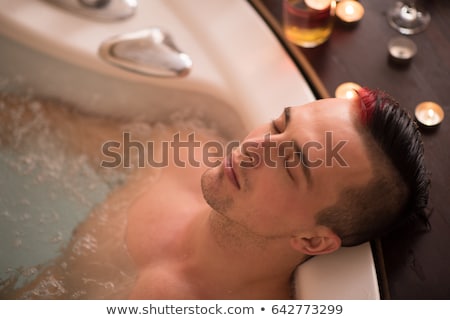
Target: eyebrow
(298, 150)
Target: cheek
(272, 203)
(287, 207)
(315, 154)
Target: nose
(257, 151)
(250, 154)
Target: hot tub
(240, 77)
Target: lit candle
(347, 90)
(429, 114)
(318, 4)
(401, 49)
(349, 11)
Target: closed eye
(287, 158)
(283, 122)
(275, 128)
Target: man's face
(288, 170)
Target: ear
(322, 240)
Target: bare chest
(157, 221)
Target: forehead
(336, 117)
(332, 111)
(329, 127)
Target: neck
(233, 263)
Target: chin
(214, 191)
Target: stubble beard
(228, 233)
(211, 185)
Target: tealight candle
(429, 114)
(349, 11)
(401, 49)
(347, 90)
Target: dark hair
(398, 191)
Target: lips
(229, 171)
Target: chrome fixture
(102, 10)
(150, 52)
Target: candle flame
(349, 9)
(350, 93)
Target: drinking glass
(308, 23)
(407, 17)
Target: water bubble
(85, 245)
(58, 238)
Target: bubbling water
(51, 182)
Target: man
(331, 173)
